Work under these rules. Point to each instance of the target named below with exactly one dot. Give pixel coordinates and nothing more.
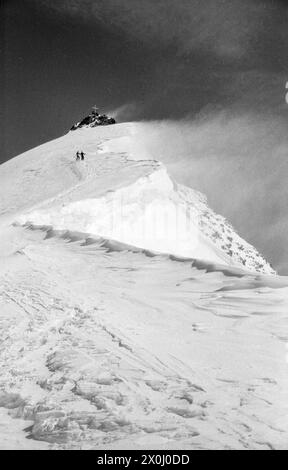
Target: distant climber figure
(82, 155)
(78, 155)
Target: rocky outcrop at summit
(94, 119)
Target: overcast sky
(147, 59)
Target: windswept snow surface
(114, 195)
(131, 315)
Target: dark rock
(94, 119)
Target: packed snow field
(117, 333)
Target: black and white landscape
(143, 253)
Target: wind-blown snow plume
(239, 162)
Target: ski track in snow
(106, 346)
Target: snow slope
(116, 333)
(114, 196)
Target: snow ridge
(105, 345)
(156, 214)
(115, 196)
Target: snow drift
(131, 315)
(145, 208)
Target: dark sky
(147, 59)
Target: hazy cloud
(239, 162)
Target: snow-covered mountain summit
(117, 195)
(131, 315)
